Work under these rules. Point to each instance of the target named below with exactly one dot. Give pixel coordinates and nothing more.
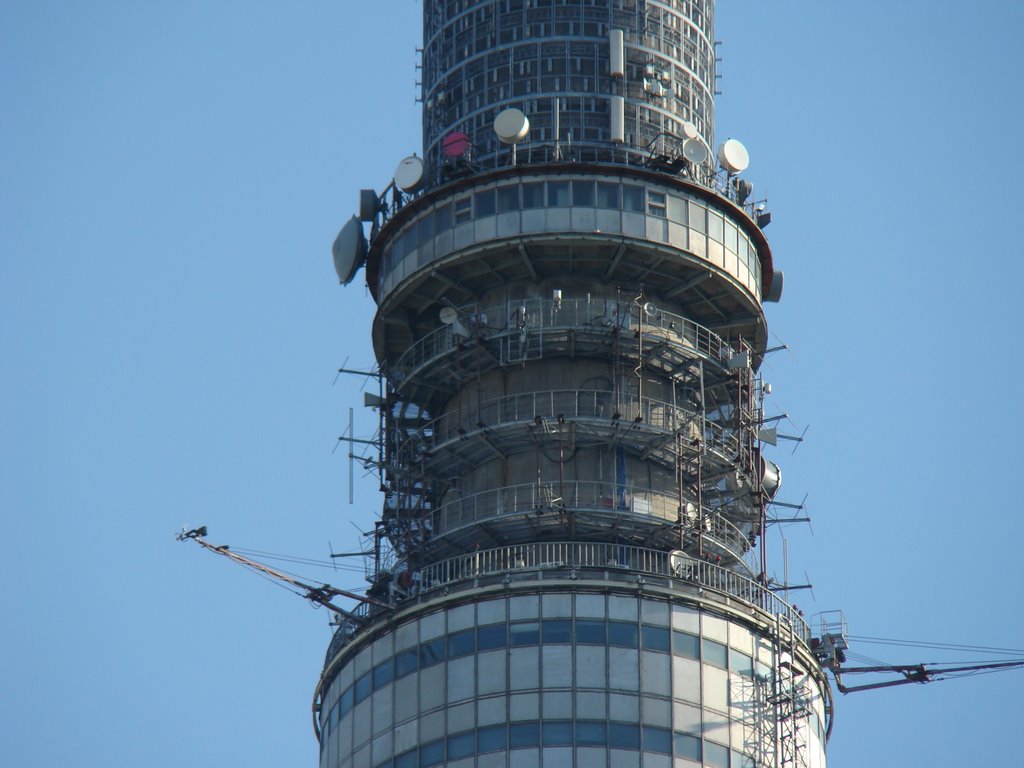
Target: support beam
(684, 287)
(619, 253)
(528, 261)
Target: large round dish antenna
(732, 156)
(349, 250)
(455, 145)
(409, 174)
(512, 126)
(689, 130)
(448, 315)
(695, 152)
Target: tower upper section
(615, 80)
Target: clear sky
(171, 178)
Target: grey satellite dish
(650, 310)
(448, 315)
(744, 189)
(369, 204)
(512, 126)
(732, 156)
(689, 130)
(349, 250)
(409, 174)
(694, 151)
(774, 292)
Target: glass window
(406, 662)
(656, 638)
(556, 631)
(432, 754)
(742, 761)
(591, 734)
(740, 663)
(460, 745)
(443, 219)
(698, 217)
(624, 736)
(687, 746)
(484, 202)
(607, 195)
(345, 702)
(463, 210)
(657, 740)
(558, 194)
(622, 633)
(656, 203)
(431, 653)
(632, 198)
(715, 227)
(730, 237)
(677, 210)
(461, 643)
(524, 633)
(508, 198)
(533, 195)
(491, 739)
(490, 637)
(590, 631)
(383, 673)
(713, 653)
(406, 759)
(715, 755)
(523, 735)
(557, 733)
(583, 193)
(686, 644)
(363, 687)
(426, 229)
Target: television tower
(570, 563)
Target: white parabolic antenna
(349, 250)
(689, 130)
(512, 126)
(676, 559)
(409, 174)
(448, 315)
(733, 156)
(695, 151)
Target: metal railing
(495, 504)
(615, 557)
(572, 405)
(599, 316)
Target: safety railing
(572, 405)
(538, 559)
(537, 315)
(496, 504)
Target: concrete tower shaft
(569, 335)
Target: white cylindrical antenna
(618, 119)
(618, 57)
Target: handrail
(548, 557)
(512, 500)
(571, 404)
(533, 315)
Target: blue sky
(171, 178)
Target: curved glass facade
(600, 206)
(553, 678)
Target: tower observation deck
(569, 285)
